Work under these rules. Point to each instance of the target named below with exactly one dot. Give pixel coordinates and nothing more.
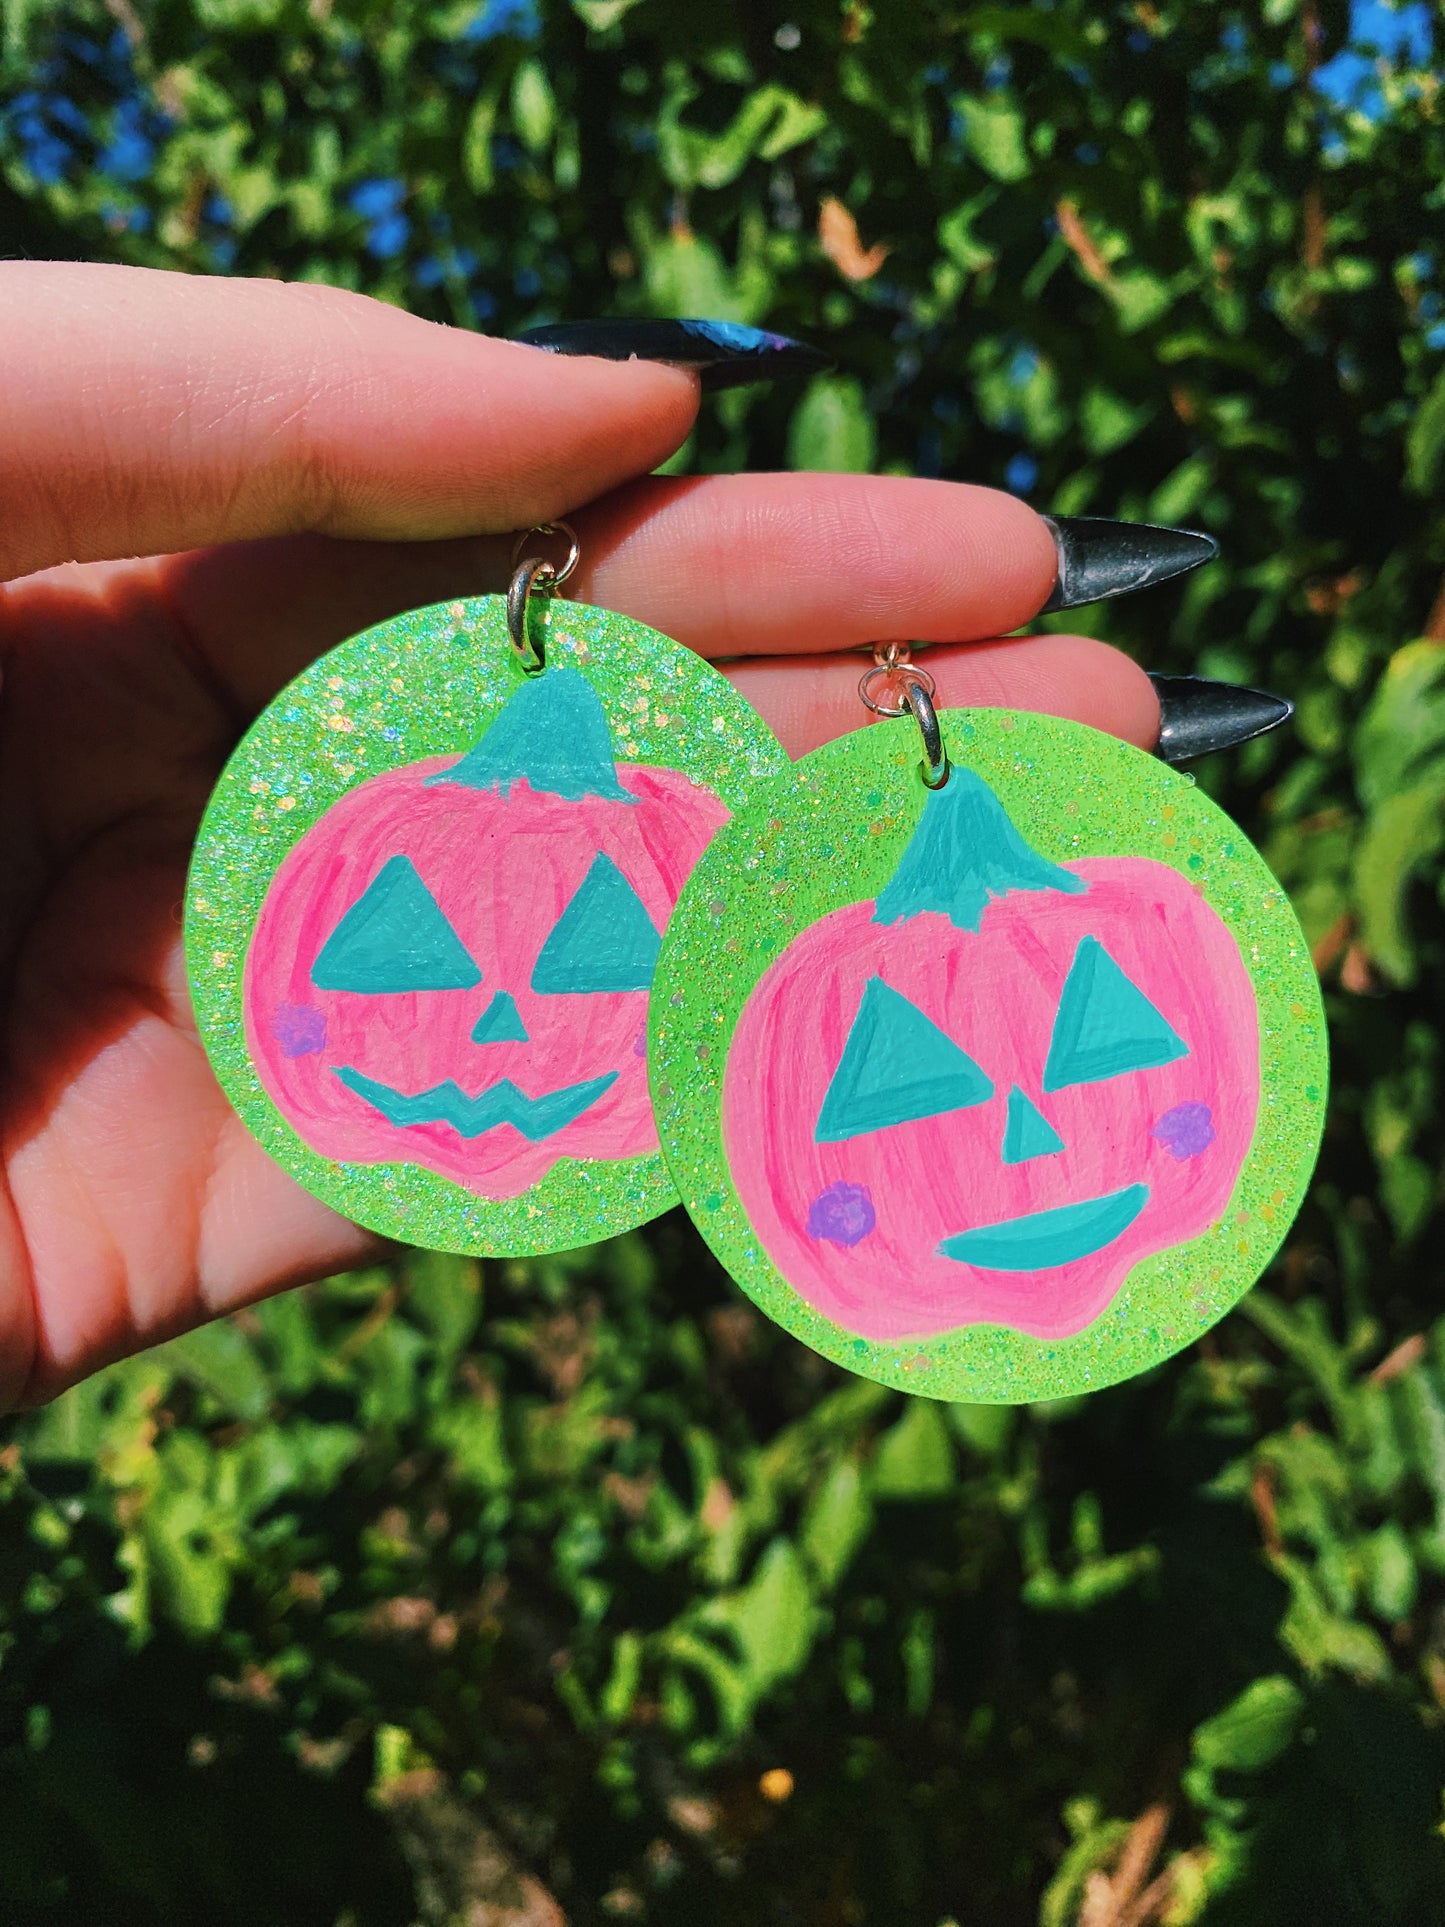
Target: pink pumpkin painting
(451, 966)
(987, 1095)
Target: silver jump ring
(574, 548)
(532, 575)
(935, 757)
(884, 687)
(528, 576)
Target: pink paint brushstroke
(996, 994)
(503, 870)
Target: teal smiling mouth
(500, 1103)
(1043, 1239)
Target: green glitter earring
(426, 906)
(997, 1076)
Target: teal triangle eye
(1027, 1133)
(603, 940)
(394, 938)
(1105, 1025)
(897, 1066)
(501, 1022)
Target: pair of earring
(983, 1050)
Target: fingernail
(1098, 558)
(1197, 716)
(724, 353)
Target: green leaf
(836, 1523)
(1253, 1730)
(1303, 1333)
(189, 1536)
(1425, 443)
(1404, 833)
(1425, 1417)
(240, 16)
(687, 276)
(534, 110)
(389, 1364)
(599, 15)
(1409, 1190)
(797, 121)
(445, 1292)
(770, 122)
(620, 1691)
(1139, 298)
(1390, 1564)
(1054, 32)
(220, 1360)
(772, 1617)
(477, 143)
(831, 430)
(1095, 1844)
(986, 1429)
(914, 1458)
(993, 129)
(105, 1420)
(470, 1431)
(916, 1650)
(1107, 421)
(957, 238)
(1179, 494)
(298, 1355)
(1403, 727)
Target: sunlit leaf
(831, 428)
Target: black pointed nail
(1197, 716)
(724, 353)
(1098, 558)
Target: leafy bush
(423, 1596)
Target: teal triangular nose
(501, 1022)
(1027, 1133)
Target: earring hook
(535, 575)
(896, 686)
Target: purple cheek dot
(1185, 1131)
(639, 1049)
(300, 1029)
(843, 1214)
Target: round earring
(987, 1056)
(426, 905)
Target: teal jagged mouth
(500, 1103)
(1042, 1240)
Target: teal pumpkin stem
(964, 853)
(553, 733)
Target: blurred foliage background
(503, 1595)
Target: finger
(730, 565)
(321, 592)
(144, 412)
(808, 702)
(769, 564)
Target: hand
(290, 464)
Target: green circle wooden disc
(1001, 1092)
(425, 908)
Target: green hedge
(422, 1593)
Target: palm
(136, 1201)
